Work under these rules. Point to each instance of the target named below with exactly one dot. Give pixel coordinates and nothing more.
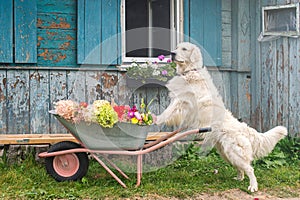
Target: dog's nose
(173, 54)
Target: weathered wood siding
(259, 82)
(27, 92)
(276, 79)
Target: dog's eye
(184, 49)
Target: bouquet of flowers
(103, 112)
(143, 116)
(161, 70)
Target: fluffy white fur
(195, 102)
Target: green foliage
(275, 159)
(291, 148)
(286, 152)
(187, 151)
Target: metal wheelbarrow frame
(69, 160)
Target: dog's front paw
(253, 188)
(158, 120)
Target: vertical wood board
(282, 82)
(267, 62)
(294, 87)
(205, 28)
(25, 16)
(76, 86)
(18, 101)
(3, 100)
(244, 96)
(6, 34)
(58, 91)
(93, 86)
(109, 81)
(39, 101)
(89, 32)
(109, 40)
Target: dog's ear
(196, 55)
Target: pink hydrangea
(66, 109)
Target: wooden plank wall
(259, 82)
(277, 82)
(28, 92)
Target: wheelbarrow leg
(108, 170)
(115, 166)
(139, 169)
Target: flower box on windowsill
(146, 82)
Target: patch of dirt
(234, 194)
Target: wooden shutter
(98, 32)
(25, 31)
(203, 26)
(6, 31)
(23, 14)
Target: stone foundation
(16, 154)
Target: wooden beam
(34, 139)
(31, 139)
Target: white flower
(156, 73)
(155, 66)
(144, 65)
(134, 65)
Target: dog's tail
(268, 140)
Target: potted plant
(158, 72)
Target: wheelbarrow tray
(95, 137)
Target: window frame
(265, 20)
(177, 27)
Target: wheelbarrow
(68, 160)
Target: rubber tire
(82, 158)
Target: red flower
(121, 110)
(83, 104)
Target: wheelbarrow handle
(206, 129)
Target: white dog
(195, 102)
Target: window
(115, 32)
(150, 28)
(281, 20)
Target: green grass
(183, 178)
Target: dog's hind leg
(239, 155)
(245, 166)
(253, 182)
(248, 169)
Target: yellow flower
(134, 120)
(145, 117)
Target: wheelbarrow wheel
(67, 167)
